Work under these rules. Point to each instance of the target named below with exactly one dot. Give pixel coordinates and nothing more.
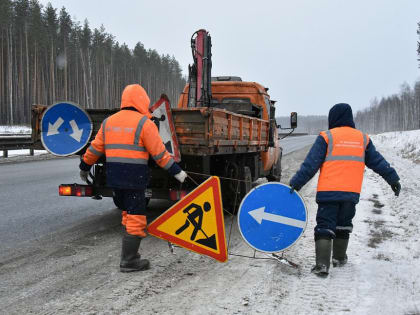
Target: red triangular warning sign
(196, 222)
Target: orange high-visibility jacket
(344, 163)
(127, 139)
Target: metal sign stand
(283, 260)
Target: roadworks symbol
(196, 222)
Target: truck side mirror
(293, 120)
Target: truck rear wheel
(230, 187)
(275, 172)
(235, 191)
(246, 183)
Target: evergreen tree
(47, 57)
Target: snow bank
(383, 273)
(19, 130)
(15, 130)
(13, 153)
(405, 143)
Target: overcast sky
(310, 53)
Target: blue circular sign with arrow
(65, 128)
(270, 218)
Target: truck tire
(275, 172)
(246, 184)
(230, 189)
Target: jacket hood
(340, 115)
(135, 96)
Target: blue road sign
(270, 218)
(65, 129)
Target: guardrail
(294, 134)
(15, 142)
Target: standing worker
(127, 138)
(341, 153)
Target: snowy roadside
(15, 130)
(404, 143)
(383, 273)
(21, 155)
(388, 273)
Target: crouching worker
(341, 153)
(127, 139)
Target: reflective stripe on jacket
(344, 162)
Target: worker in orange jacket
(128, 138)
(341, 154)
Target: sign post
(270, 218)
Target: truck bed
(209, 131)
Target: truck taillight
(75, 190)
(175, 195)
(64, 190)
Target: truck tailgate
(204, 131)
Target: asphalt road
(31, 208)
(30, 204)
(291, 144)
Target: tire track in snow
(308, 293)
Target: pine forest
(46, 57)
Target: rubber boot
(124, 223)
(323, 257)
(339, 258)
(137, 254)
(130, 259)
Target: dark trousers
(334, 219)
(133, 203)
(130, 200)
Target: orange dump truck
(232, 138)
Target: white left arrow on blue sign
(53, 128)
(77, 133)
(260, 214)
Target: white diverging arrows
(259, 215)
(77, 133)
(53, 128)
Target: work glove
(396, 188)
(293, 188)
(181, 176)
(84, 175)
